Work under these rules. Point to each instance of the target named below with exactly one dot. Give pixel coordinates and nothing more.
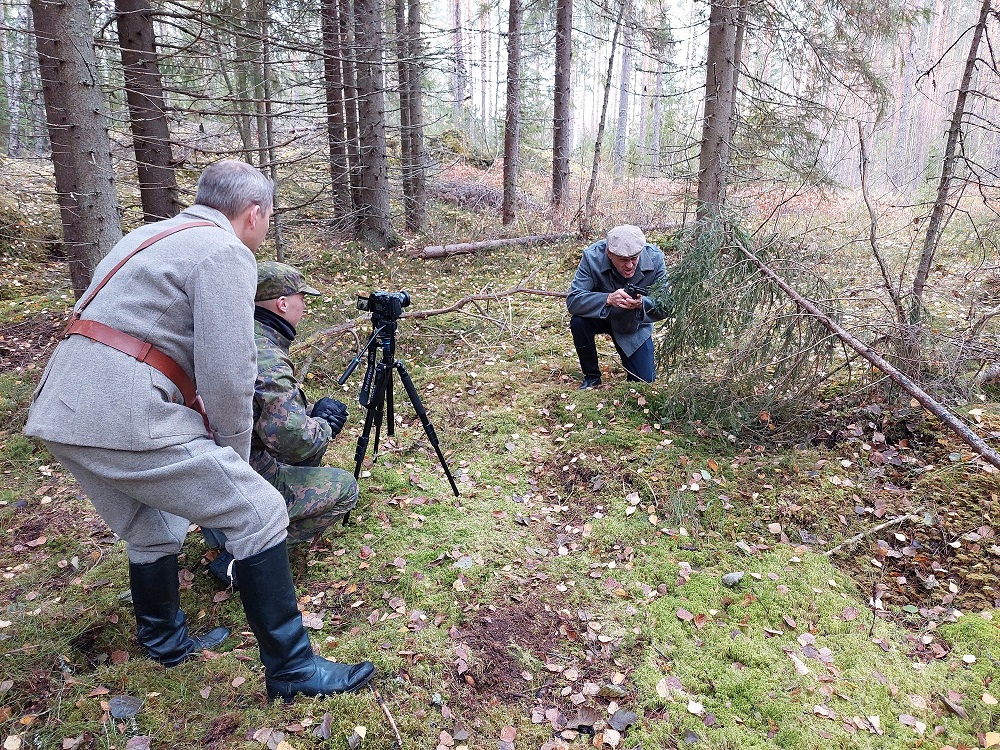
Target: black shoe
(222, 567)
(589, 381)
(161, 624)
(290, 666)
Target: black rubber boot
(272, 611)
(158, 617)
(222, 568)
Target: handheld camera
(635, 291)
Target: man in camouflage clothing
(289, 439)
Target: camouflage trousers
(315, 496)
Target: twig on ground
(392, 722)
(858, 537)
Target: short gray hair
(232, 186)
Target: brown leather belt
(141, 350)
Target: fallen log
(464, 248)
(953, 423)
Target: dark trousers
(640, 365)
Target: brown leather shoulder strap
(155, 238)
(136, 348)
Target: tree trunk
(349, 66)
(81, 148)
(272, 155)
(405, 147)
(336, 136)
(562, 101)
(713, 162)
(900, 167)
(16, 42)
(458, 82)
(621, 127)
(657, 133)
(147, 110)
(416, 216)
(375, 229)
(484, 69)
(942, 204)
(512, 121)
(588, 209)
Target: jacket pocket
(166, 414)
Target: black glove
(331, 410)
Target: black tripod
(376, 394)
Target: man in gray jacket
(151, 454)
(608, 296)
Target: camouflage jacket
(282, 427)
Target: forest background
(785, 542)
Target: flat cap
(626, 241)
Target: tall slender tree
(719, 110)
(336, 134)
(621, 126)
(147, 110)
(512, 121)
(78, 131)
(375, 226)
(562, 101)
(944, 204)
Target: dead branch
(858, 537)
(464, 248)
(474, 298)
(392, 722)
(950, 420)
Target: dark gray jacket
(596, 278)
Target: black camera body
(634, 291)
(384, 305)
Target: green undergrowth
(580, 566)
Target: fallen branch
(351, 326)
(858, 537)
(486, 297)
(464, 248)
(392, 722)
(938, 410)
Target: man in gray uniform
(289, 439)
(118, 408)
(608, 296)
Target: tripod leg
(390, 410)
(418, 407)
(381, 375)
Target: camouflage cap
(280, 280)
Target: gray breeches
(149, 498)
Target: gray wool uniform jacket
(191, 296)
(596, 278)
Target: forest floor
(580, 591)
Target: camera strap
(143, 351)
